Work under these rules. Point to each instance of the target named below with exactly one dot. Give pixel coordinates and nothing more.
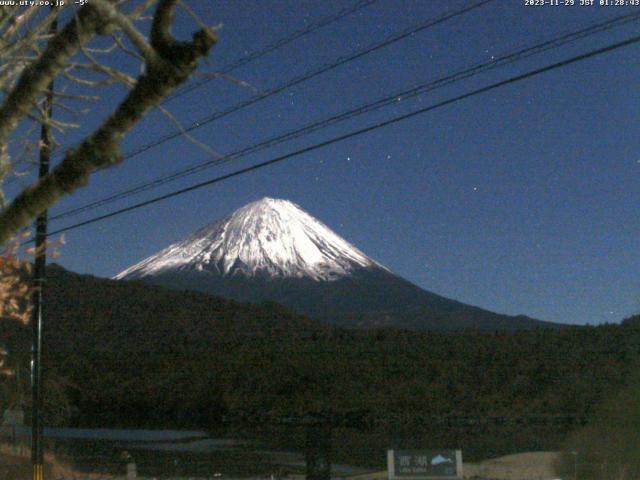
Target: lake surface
(173, 453)
(258, 450)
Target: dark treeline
(128, 354)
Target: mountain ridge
(271, 250)
(269, 237)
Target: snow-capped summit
(271, 250)
(266, 238)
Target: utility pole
(39, 274)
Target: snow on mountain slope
(266, 238)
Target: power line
(387, 100)
(229, 68)
(307, 76)
(361, 131)
(323, 22)
(394, 120)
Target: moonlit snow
(269, 237)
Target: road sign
(424, 464)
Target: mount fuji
(272, 250)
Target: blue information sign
(424, 464)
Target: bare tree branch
(116, 18)
(188, 136)
(171, 64)
(36, 77)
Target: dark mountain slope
(110, 315)
(272, 250)
(368, 298)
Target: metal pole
(39, 274)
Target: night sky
(523, 200)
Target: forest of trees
(129, 354)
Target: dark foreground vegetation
(128, 354)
